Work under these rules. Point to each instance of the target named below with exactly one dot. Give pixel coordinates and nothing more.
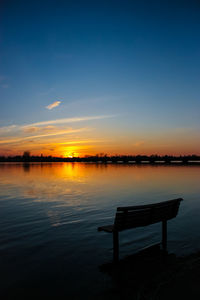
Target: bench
(142, 215)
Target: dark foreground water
(49, 214)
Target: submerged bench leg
(164, 235)
(115, 246)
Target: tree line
(104, 158)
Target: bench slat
(143, 215)
(136, 207)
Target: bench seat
(141, 215)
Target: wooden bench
(142, 215)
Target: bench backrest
(143, 215)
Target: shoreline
(129, 163)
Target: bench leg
(164, 235)
(115, 246)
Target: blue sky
(129, 69)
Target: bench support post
(115, 246)
(164, 235)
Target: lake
(49, 214)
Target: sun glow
(75, 150)
(70, 152)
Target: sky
(85, 77)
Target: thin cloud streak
(53, 105)
(6, 129)
(43, 135)
(57, 121)
(81, 142)
(57, 132)
(69, 120)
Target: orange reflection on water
(94, 186)
(54, 178)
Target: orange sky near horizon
(95, 135)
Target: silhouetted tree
(26, 155)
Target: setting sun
(70, 152)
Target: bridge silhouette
(105, 159)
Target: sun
(70, 151)
(70, 154)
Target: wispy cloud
(61, 132)
(49, 125)
(7, 129)
(89, 141)
(58, 133)
(53, 105)
(70, 120)
(37, 129)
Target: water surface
(49, 214)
